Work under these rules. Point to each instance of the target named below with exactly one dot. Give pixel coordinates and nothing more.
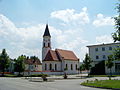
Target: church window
(76, 67)
(50, 67)
(71, 67)
(43, 44)
(55, 67)
(66, 66)
(48, 44)
(45, 66)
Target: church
(57, 60)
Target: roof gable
(32, 61)
(51, 56)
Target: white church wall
(69, 63)
(53, 65)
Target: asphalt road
(23, 84)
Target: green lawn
(103, 75)
(9, 75)
(103, 83)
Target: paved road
(22, 84)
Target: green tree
(116, 54)
(4, 61)
(110, 64)
(19, 64)
(81, 68)
(87, 62)
(34, 58)
(116, 35)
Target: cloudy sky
(73, 24)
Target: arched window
(55, 67)
(76, 67)
(50, 67)
(43, 44)
(66, 66)
(45, 66)
(48, 44)
(71, 67)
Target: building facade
(33, 65)
(57, 60)
(101, 52)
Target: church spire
(46, 33)
(46, 42)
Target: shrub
(38, 75)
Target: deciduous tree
(19, 64)
(116, 34)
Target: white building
(32, 65)
(100, 52)
(57, 60)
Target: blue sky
(73, 24)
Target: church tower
(46, 42)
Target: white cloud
(83, 50)
(101, 20)
(28, 40)
(69, 15)
(104, 39)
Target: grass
(103, 83)
(103, 75)
(9, 75)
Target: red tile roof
(51, 56)
(32, 61)
(59, 55)
(67, 55)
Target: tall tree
(110, 64)
(19, 64)
(87, 62)
(4, 61)
(116, 35)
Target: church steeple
(46, 42)
(46, 33)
